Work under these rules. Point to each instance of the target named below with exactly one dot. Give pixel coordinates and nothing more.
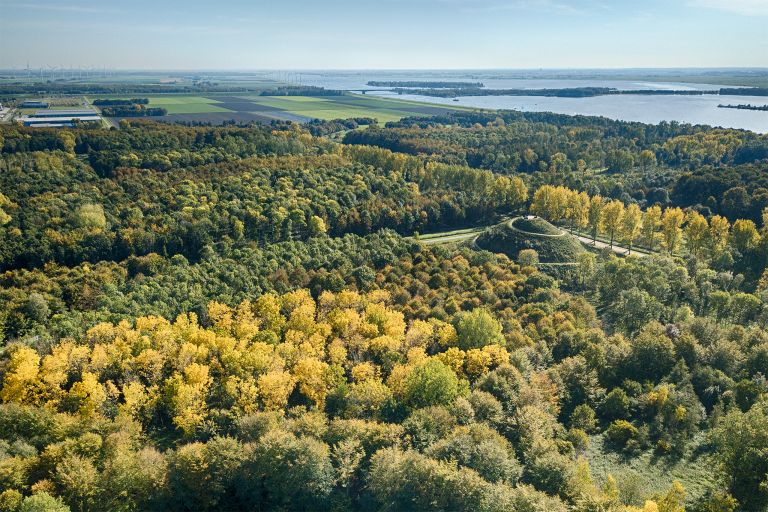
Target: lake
(647, 109)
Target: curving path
(473, 234)
(511, 225)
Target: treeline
(120, 102)
(744, 91)
(569, 92)
(300, 90)
(671, 229)
(319, 127)
(133, 110)
(572, 92)
(745, 107)
(121, 88)
(426, 84)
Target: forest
(246, 318)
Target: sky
(383, 34)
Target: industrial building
(59, 118)
(34, 104)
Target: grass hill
(511, 237)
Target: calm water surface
(647, 109)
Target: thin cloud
(745, 7)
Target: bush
(621, 432)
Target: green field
(186, 104)
(329, 108)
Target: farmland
(244, 108)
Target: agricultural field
(244, 108)
(186, 104)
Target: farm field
(244, 108)
(186, 104)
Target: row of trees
(670, 229)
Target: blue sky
(389, 34)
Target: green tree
(287, 472)
(431, 383)
(43, 502)
(478, 328)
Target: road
(453, 237)
(449, 238)
(621, 251)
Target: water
(647, 109)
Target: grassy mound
(552, 244)
(535, 225)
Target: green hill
(511, 237)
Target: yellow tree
(631, 224)
(595, 214)
(578, 209)
(275, 387)
(612, 218)
(21, 375)
(311, 375)
(719, 231)
(651, 222)
(510, 193)
(671, 228)
(744, 235)
(696, 232)
(543, 203)
(187, 395)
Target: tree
(78, 480)
(736, 202)
(4, 201)
(719, 232)
(43, 502)
(317, 226)
(631, 225)
(578, 210)
(478, 328)
(203, 476)
(650, 225)
(430, 383)
(586, 267)
(528, 258)
(696, 232)
(652, 354)
(595, 215)
(647, 159)
(741, 441)
(21, 373)
(286, 472)
(620, 160)
(611, 219)
(91, 216)
(481, 448)
(744, 235)
(671, 223)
